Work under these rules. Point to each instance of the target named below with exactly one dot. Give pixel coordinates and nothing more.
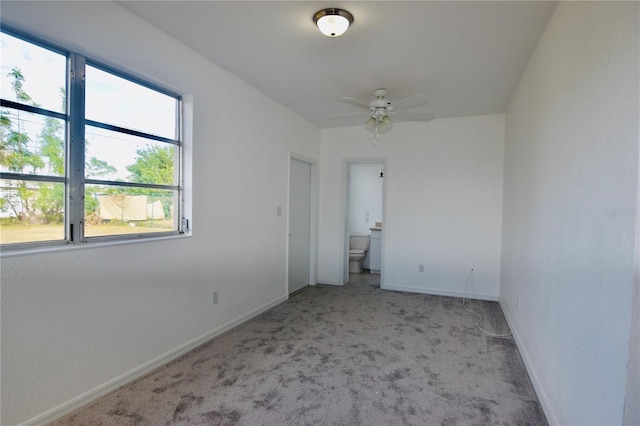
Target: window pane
(113, 210)
(31, 143)
(120, 102)
(31, 211)
(32, 75)
(117, 156)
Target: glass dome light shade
(333, 22)
(370, 124)
(385, 124)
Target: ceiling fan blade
(410, 102)
(412, 116)
(346, 116)
(355, 102)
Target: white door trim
(344, 210)
(313, 218)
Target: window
(87, 153)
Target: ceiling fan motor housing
(379, 103)
(380, 93)
(379, 113)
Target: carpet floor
(352, 355)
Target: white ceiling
(466, 57)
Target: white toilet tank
(359, 241)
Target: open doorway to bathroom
(365, 209)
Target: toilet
(358, 246)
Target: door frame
(344, 223)
(313, 218)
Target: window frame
(74, 179)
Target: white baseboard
(113, 384)
(552, 419)
(435, 292)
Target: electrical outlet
(517, 303)
(215, 297)
(421, 268)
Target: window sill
(85, 246)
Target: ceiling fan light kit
(333, 22)
(380, 123)
(380, 111)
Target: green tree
(49, 200)
(16, 85)
(29, 201)
(19, 158)
(94, 168)
(154, 164)
(18, 154)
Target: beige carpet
(352, 355)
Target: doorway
(299, 225)
(364, 207)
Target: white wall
(73, 320)
(571, 182)
(365, 197)
(632, 400)
(443, 203)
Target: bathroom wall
(365, 197)
(77, 322)
(570, 208)
(443, 203)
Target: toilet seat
(358, 246)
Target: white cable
(464, 305)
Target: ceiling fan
(380, 111)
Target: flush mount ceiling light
(333, 22)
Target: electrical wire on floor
(480, 317)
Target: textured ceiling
(466, 57)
